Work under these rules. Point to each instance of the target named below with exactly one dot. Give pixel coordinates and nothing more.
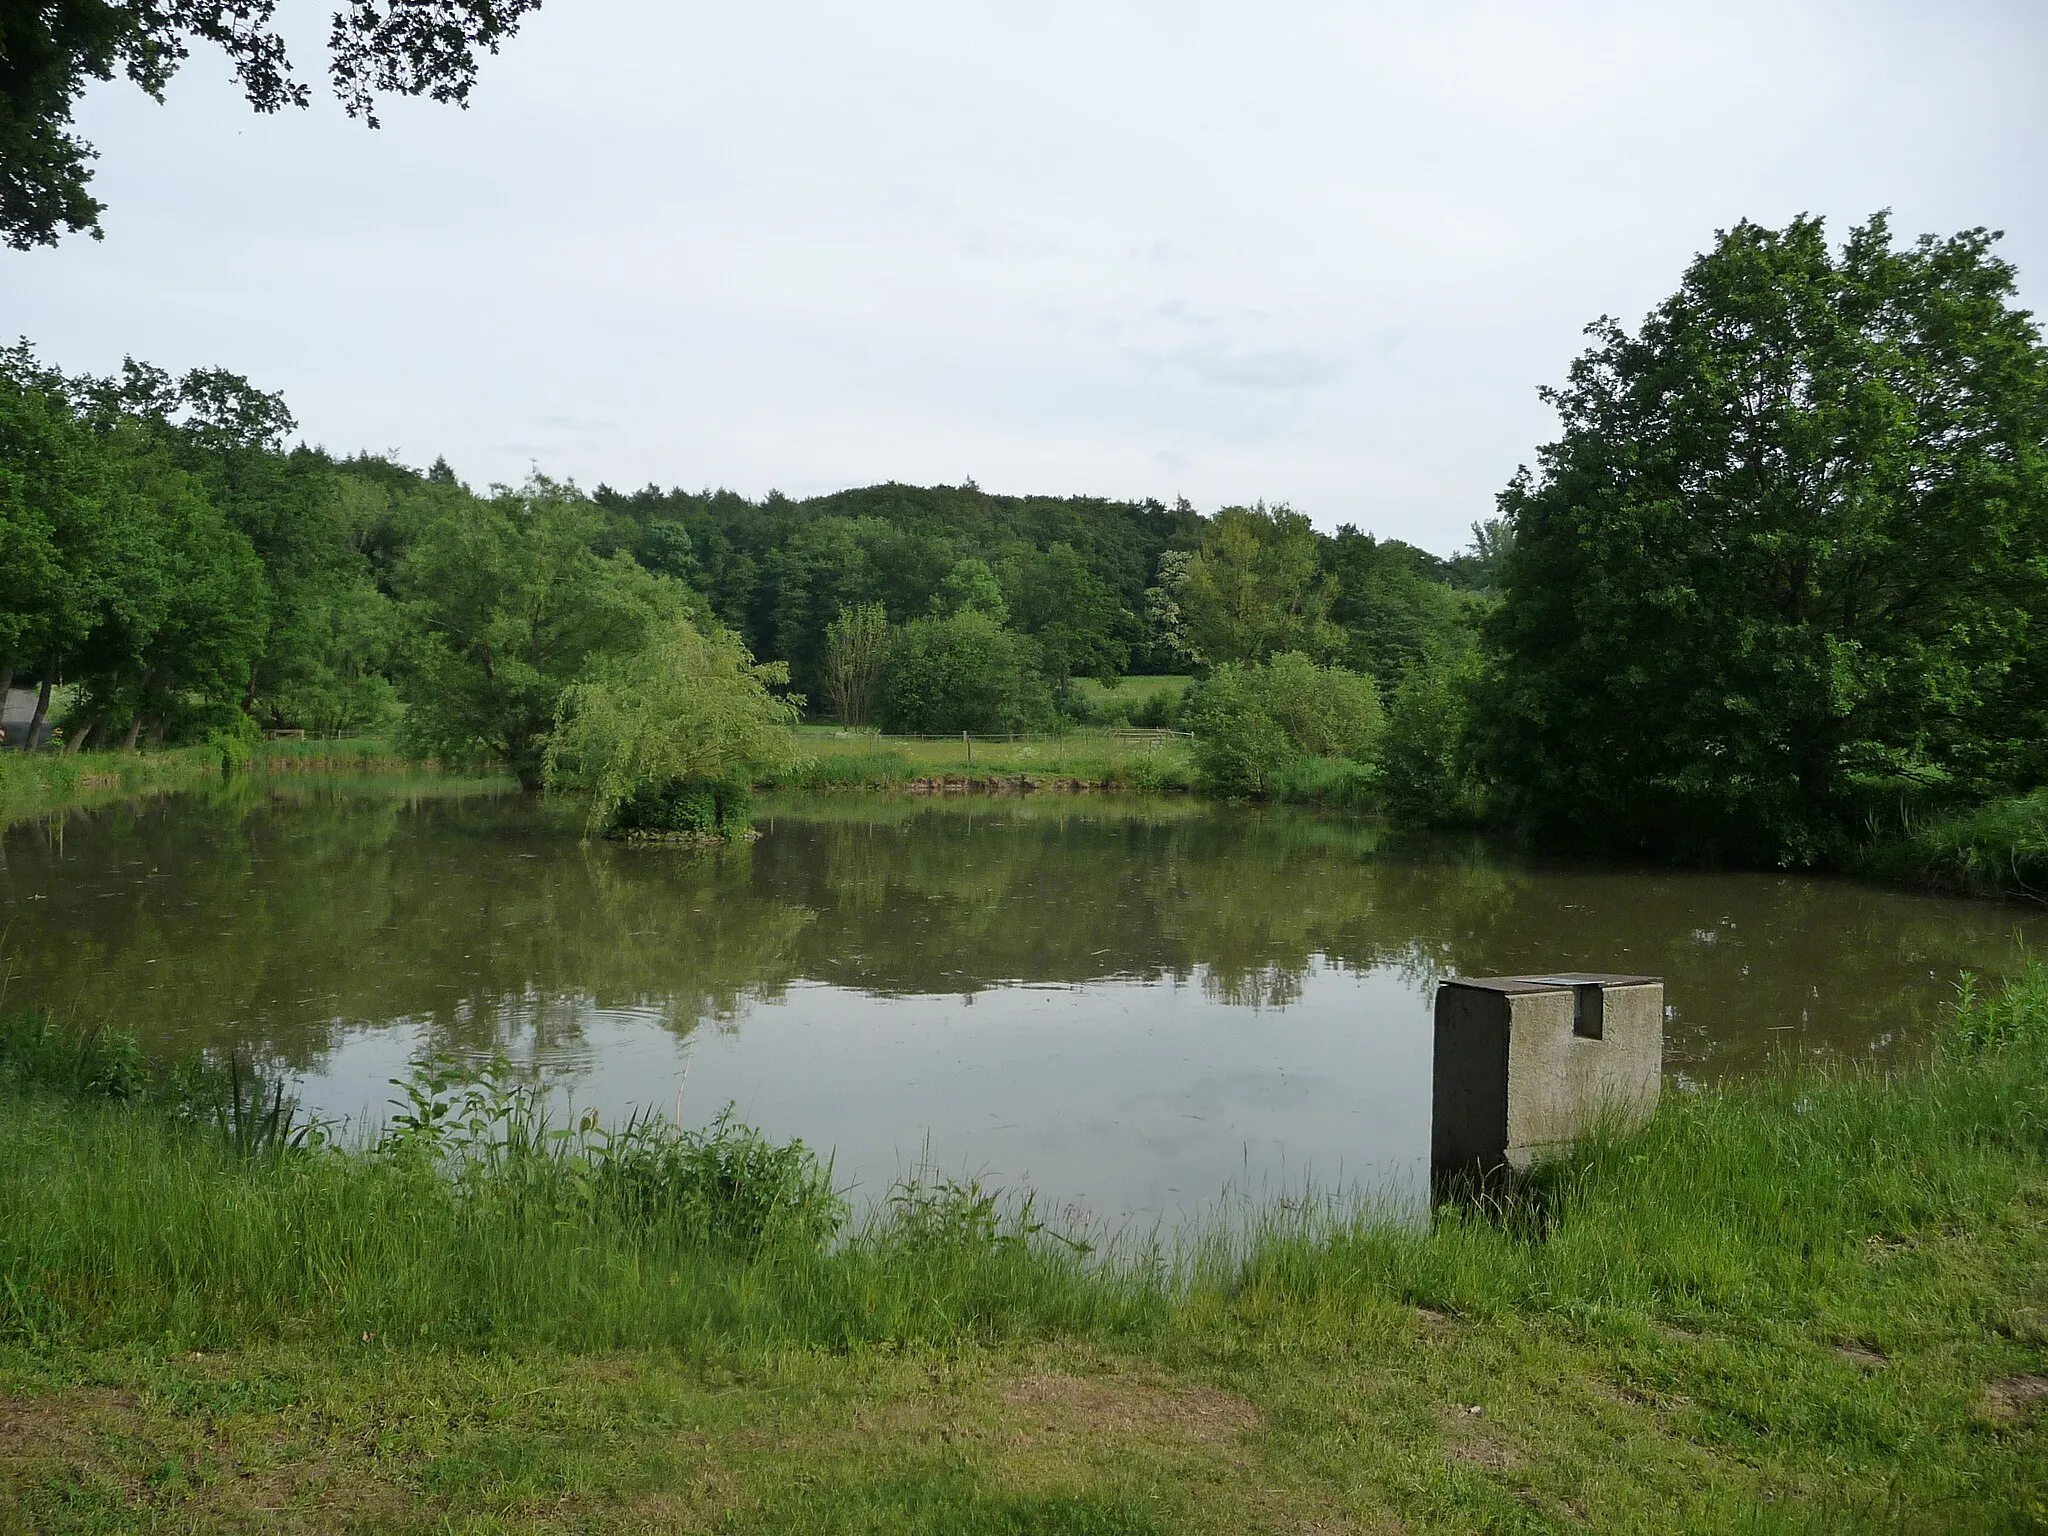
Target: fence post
(970, 750)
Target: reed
(37, 783)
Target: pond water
(1128, 1006)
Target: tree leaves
(54, 48)
(1784, 565)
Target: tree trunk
(77, 743)
(35, 724)
(134, 733)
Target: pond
(1128, 1006)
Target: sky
(1314, 253)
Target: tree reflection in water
(291, 919)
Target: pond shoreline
(1737, 1305)
(1997, 854)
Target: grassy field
(1816, 1303)
(1095, 759)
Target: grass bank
(1083, 759)
(1814, 1302)
(39, 783)
(36, 783)
(1999, 849)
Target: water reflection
(1128, 1002)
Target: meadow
(1151, 762)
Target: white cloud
(1319, 253)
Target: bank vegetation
(1809, 1301)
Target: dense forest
(166, 551)
(1780, 588)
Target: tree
(961, 673)
(54, 48)
(1787, 564)
(1425, 778)
(1081, 628)
(1390, 612)
(185, 616)
(806, 582)
(323, 622)
(1255, 588)
(338, 676)
(856, 655)
(68, 521)
(971, 587)
(505, 606)
(686, 710)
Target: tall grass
(36, 783)
(1758, 1206)
(126, 1215)
(1997, 849)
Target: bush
(1424, 780)
(1252, 720)
(1161, 709)
(964, 672)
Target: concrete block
(1526, 1064)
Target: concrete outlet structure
(1525, 1064)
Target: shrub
(1252, 720)
(1161, 709)
(1325, 711)
(1424, 780)
(705, 807)
(964, 672)
(1999, 848)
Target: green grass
(1998, 849)
(1132, 690)
(36, 783)
(1090, 759)
(41, 783)
(1811, 1302)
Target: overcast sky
(1316, 253)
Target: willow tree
(505, 604)
(669, 737)
(1787, 565)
